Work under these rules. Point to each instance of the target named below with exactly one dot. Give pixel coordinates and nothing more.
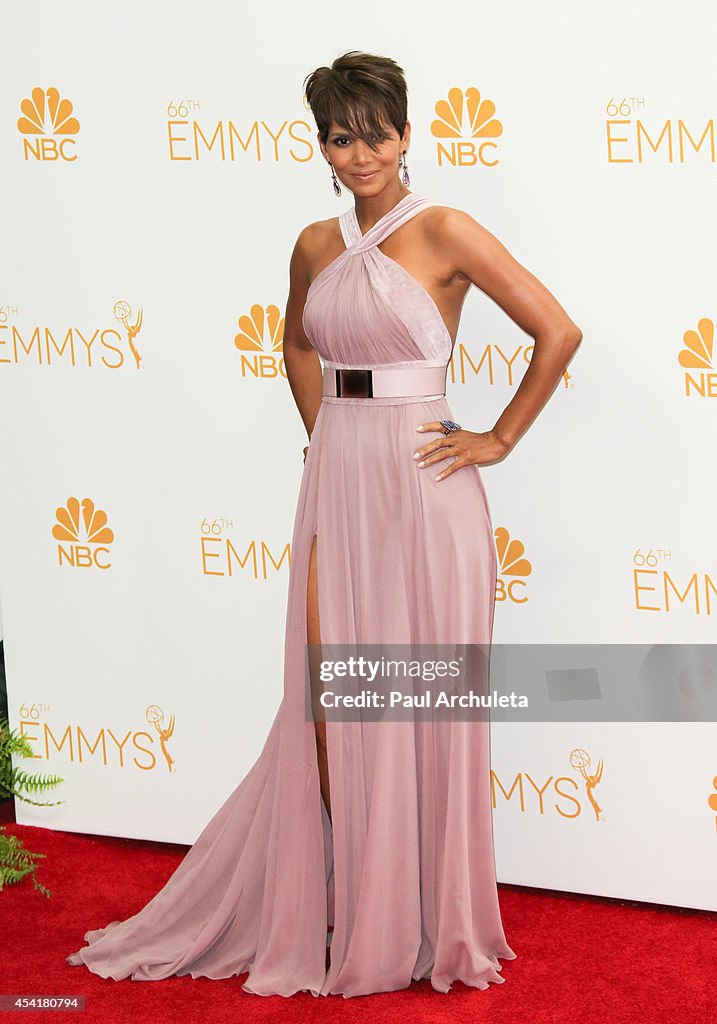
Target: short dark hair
(361, 92)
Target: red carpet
(580, 958)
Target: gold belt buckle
(353, 383)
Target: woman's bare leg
(313, 633)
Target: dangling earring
(405, 178)
(337, 187)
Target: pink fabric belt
(384, 382)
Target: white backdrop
(152, 202)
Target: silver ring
(450, 426)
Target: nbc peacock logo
(82, 534)
(259, 339)
(513, 568)
(47, 126)
(467, 124)
(697, 359)
(712, 799)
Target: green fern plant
(15, 861)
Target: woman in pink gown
(357, 856)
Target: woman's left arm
(483, 259)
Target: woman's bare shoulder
(450, 230)
(314, 242)
(447, 219)
(318, 234)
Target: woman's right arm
(303, 367)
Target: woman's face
(361, 169)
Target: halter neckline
(382, 218)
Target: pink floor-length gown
(405, 872)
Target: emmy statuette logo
(123, 313)
(580, 761)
